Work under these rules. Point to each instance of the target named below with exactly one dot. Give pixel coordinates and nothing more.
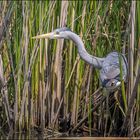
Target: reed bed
(44, 84)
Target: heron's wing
(111, 67)
(109, 72)
(112, 73)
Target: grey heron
(109, 66)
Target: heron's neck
(92, 60)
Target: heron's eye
(112, 84)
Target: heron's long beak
(48, 35)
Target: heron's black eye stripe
(105, 82)
(118, 77)
(62, 29)
(57, 32)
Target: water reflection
(39, 136)
(22, 136)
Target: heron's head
(111, 84)
(111, 78)
(59, 33)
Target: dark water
(25, 136)
(95, 138)
(39, 136)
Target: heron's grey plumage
(109, 66)
(110, 72)
(92, 60)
